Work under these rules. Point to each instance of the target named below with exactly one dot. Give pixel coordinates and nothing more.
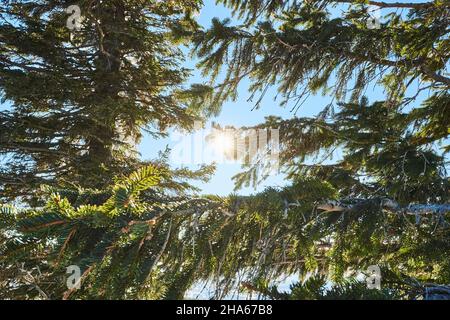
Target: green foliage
(153, 245)
(391, 149)
(128, 246)
(384, 157)
(318, 288)
(307, 47)
(146, 234)
(79, 100)
(385, 152)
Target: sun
(223, 143)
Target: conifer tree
(385, 200)
(139, 238)
(81, 89)
(148, 237)
(330, 46)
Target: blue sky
(238, 113)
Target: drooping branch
(381, 4)
(388, 205)
(436, 292)
(435, 76)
